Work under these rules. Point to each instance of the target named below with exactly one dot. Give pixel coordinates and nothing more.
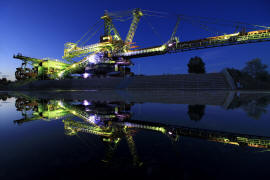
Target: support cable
(208, 19)
(88, 31)
(216, 20)
(153, 29)
(206, 28)
(92, 35)
(156, 12)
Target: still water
(131, 135)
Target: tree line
(254, 75)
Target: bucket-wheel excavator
(112, 55)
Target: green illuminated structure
(42, 68)
(113, 55)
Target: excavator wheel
(22, 73)
(19, 74)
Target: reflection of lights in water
(122, 116)
(128, 124)
(93, 119)
(86, 103)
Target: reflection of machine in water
(40, 109)
(97, 116)
(112, 121)
(4, 96)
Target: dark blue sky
(40, 28)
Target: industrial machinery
(112, 55)
(41, 68)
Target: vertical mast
(137, 14)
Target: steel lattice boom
(112, 55)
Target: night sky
(39, 29)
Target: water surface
(134, 134)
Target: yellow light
(59, 74)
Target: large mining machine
(112, 55)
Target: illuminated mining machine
(112, 55)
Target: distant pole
(124, 71)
